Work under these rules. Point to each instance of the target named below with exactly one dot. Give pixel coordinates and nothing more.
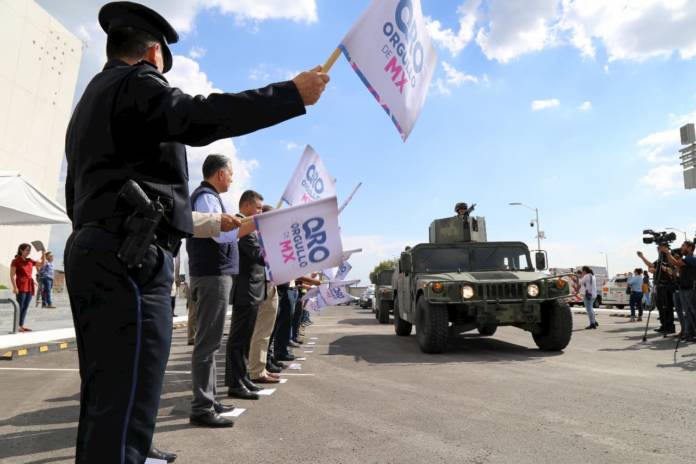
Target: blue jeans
(636, 302)
(46, 287)
(590, 309)
(23, 300)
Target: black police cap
(131, 14)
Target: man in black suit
(248, 292)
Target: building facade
(40, 64)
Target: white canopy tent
(23, 204)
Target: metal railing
(15, 320)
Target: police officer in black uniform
(131, 125)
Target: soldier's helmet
(459, 206)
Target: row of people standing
(230, 269)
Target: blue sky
(571, 107)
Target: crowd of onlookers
(670, 290)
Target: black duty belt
(168, 241)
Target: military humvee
(460, 282)
(384, 296)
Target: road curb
(23, 351)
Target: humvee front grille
(502, 291)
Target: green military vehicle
(384, 296)
(460, 282)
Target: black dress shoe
(286, 357)
(210, 419)
(659, 329)
(276, 363)
(273, 368)
(154, 453)
(242, 393)
(251, 386)
(223, 408)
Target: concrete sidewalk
(49, 325)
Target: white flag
(348, 253)
(310, 181)
(334, 295)
(343, 271)
(390, 50)
(301, 239)
(343, 283)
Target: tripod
(652, 303)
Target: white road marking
(155, 461)
(266, 391)
(53, 369)
(311, 343)
(236, 412)
(314, 338)
(282, 381)
(295, 367)
(301, 359)
(299, 375)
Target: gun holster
(141, 225)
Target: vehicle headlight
(467, 292)
(533, 290)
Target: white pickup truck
(614, 292)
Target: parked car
(614, 292)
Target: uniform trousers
(123, 327)
(260, 339)
(238, 343)
(210, 295)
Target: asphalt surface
(367, 396)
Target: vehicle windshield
(441, 260)
(501, 258)
(508, 258)
(385, 277)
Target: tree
(388, 264)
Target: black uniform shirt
(130, 124)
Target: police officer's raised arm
(199, 120)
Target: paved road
(367, 396)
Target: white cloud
(645, 29)
(291, 146)
(660, 146)
(455, 42)
(637, 30)
(197, 52)
(538, 105)
(585, 106)
(266, 73)
(455, 78)
(665, 179)
(516, 28)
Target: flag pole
(330, 62)
(280, 203)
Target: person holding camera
(685, 263)
(588, 290)
(663, 290)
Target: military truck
(461, 282)
(384, 296)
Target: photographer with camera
(685, 263)
(664, 283)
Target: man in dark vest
(212, 264)
(248, 293)
(131, 125)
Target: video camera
(659, 238)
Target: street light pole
(536, 220)
(606, 262)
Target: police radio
(140, 226)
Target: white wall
(40, 62)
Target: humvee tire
(620, 306)
(487, 330)
(383, 313)
(556, 326)
(432, 326)
(401, 327)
